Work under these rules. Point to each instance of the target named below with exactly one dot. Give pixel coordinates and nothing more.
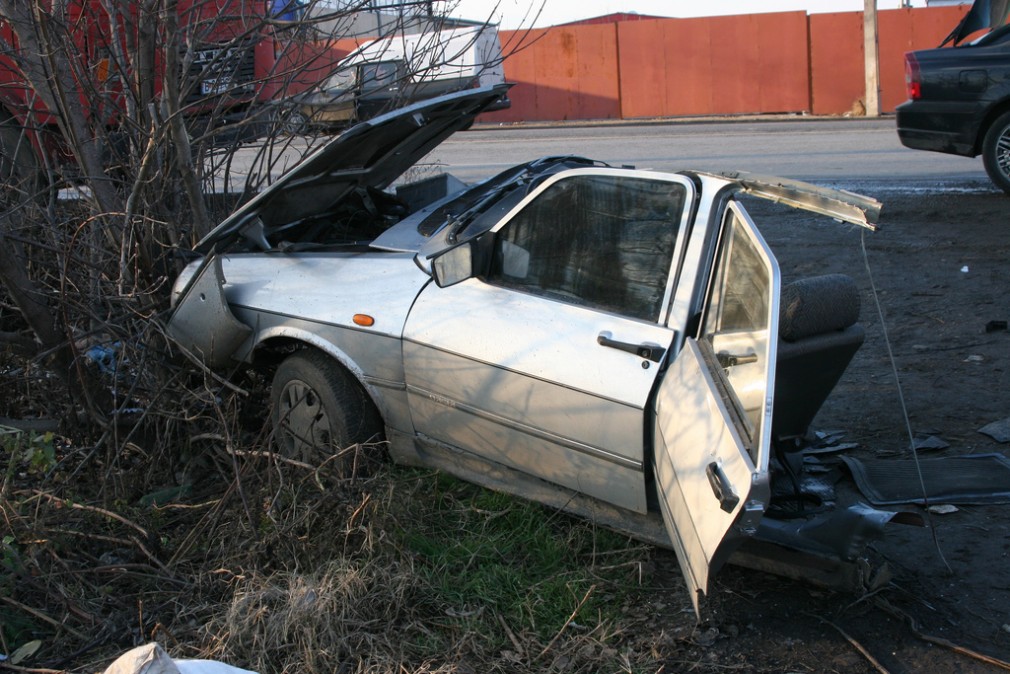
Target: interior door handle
(648, 351)
(729, 359)
(721, 486)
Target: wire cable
(901, 399)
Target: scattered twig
(270, 455)
(855, 644)
(31, 670)
(42, 616)
(939, 641)
(36, 425)
(94, 509)
(564, 627)
(511, 635)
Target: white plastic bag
(152, 659)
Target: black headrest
(816, 305)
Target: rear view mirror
(453, 266)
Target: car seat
(818, 336)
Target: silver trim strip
(316, 321)
(526, 374)
(529, 430)
(385, 383)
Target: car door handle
(648, 351)
(730, 360)
(721, 486)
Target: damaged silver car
(609, 341)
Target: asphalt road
(851, 153)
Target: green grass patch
(483, 554)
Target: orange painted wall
(903, 30)
(837, 79)
(561, 73)
(836, 53)
(758, 63)
(715, 65)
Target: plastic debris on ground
(997, 430)
(152, 659)
(930, 443)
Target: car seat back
(818, 336)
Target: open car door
(713, 409)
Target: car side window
(600, 241)
(737, 322)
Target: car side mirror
(460, 262)
(453, 266)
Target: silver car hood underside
(368, 155)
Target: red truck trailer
(119, 55)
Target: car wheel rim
(304, 423)
(1003, 152)
(296, 123)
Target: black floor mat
(967, 480)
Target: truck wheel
(294, 122)
(996, 152)
(19, 167)
(319, 410)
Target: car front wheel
(996, 152)
(319, 409)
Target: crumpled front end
(202, 323)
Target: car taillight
(913, 82)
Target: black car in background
(959, 102)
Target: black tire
(319, 409)
(996, 152)
(20, 173)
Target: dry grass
(234, 554)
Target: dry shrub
(349, 616)
(186, 529)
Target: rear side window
(600, 241)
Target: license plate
(215, 85)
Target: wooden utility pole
(871, 61)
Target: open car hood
(369, 155)
(838, 204)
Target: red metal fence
(755, 63)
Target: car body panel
(540, 383)
(203, 323)
(507, 375)
(961, 90)
(847, 207)
(371, 155)
(714, 407)
(696, 436)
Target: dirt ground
(940, 267)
